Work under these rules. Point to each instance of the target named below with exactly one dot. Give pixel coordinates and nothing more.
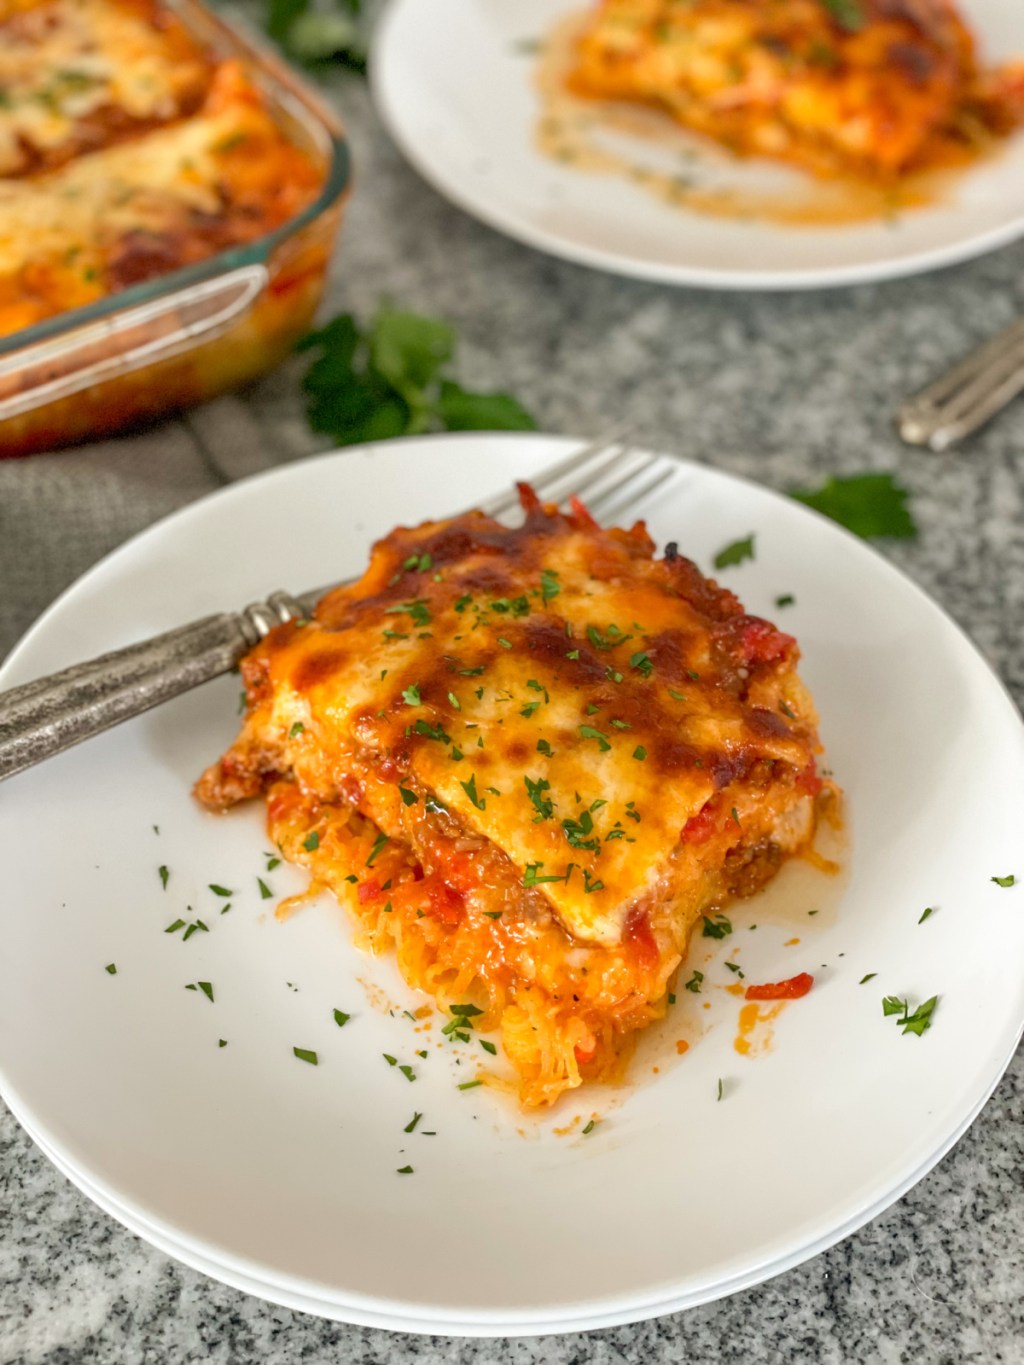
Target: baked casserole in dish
(168, 202)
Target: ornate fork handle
(43, 718)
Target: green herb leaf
(409, 798)
(341, 1018)
(111, 968)
(470, 1085)
(588, 732)
(470, 789)
(378, 844)
(410, 1127)
(694, 983)
(721, 1087)
(892, 1004)
(786, 600)
(929, 910)
(311, 842)
(265, 891)
(411, 696)
(865, 979)
(306, 1054)
(719, 927)
(221, 890)
(460, 410)
(1011, 880)
(164, 877)
(404, 1170)
(590, 1127)
(735, 553)
(848, 14)
(297, 729)
(870, 505)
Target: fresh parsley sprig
(388, 379)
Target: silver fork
(970, 395)
(45, 717)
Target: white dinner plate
(455, 81)
(282, 1177)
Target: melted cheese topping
(559, 693)
(75, 74)
(874, 88)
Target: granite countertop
(779, 388)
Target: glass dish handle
(126, 341)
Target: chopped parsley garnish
(865, 979)
(588, 732)
(694, 983)
(543, 747)
(265, 891)
(472, 672)
(640, 753)
(418, 563)
(671, 997)
(918, 1021)
(456, 704)
(410, 1127)
(642, 663)
(527, 711)
(164, 877)
(848, 14)
(590, 1127)
(341, 1018)
(194, 928)
(505, 644)
(588, 886)
(111, 968)
(1005, 881)
(391, 1061)
(222, 1042)
(548, 585)
(409, 798)
(411, 695)
(311, 842)
(786, 711)
(735, 967)
(418, 611)
(204, 986)
(423, 727)
(378, 845)
(532, 877)
(869, 505)
(786, 600)
(929, 910)
(220, 890)
(493, 914)
(404, 1170)
(535, 789)
(488, 1047)
(735, 816)
(306, 1054)
(297, 729)
(470, 1085)
(735, 553)
(719, 927)
(173, 928)
(721, 1087)
(578, 832)
(470, 789)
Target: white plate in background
(454, 82)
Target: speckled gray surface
(780, 388)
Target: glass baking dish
(176, 340)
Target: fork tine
(574, 464)
(615, 501)
(600, 496)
